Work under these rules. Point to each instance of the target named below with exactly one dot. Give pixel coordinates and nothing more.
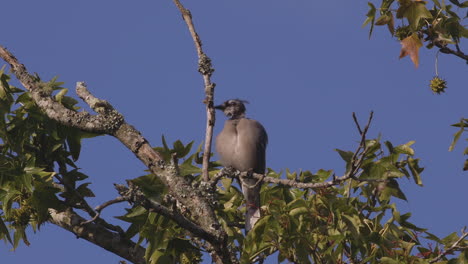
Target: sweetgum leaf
(411, 46)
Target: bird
(242, 145)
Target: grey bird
(242, 145)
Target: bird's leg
(249, 175)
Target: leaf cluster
(413, 22)
(356, 221)
(463, 127)
(33, 151)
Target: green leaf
(61, 94)
(457, 135)
(450, 239)
(151, 186)
(345, 155)
(163, 139)
(19, 235)
(392, 188)
(84, 190)
(414, 11)
(353, 223)
(187, 168)
(389, 146)
(74, 142)
(405, 148)
(374, 171)
(383, 20)
(370, 18)
(415, 170)
(323, 174)
(179, 148)
(4, 231)
(417, 12)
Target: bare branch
(357, 123)
(99, 208)
(83, 205)
(455, 246)
(99, 235)
(447, 50)
(206, 70)
(443, 47)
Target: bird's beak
(220, 107)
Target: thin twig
(223, 172)
(357, 123)
(83, 204)
(206, 70)
(99, 208)
(455, 246)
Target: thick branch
(219, 252)
(99, 236)
(135, 196)
(206, 70)
(54, 110)
(109, 121)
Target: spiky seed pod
(438, 85)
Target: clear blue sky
(305, 66)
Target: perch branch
(356, 162)
(206, 70)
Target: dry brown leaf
(410, 46)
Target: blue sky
(304, 66)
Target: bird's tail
(251, 191)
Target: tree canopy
(186, 205)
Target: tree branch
(110, 122)
(98, 235)
(447, 50)
(206, 70)
(83, 205)
(218, 252)
(455, 246)
(356, 162)
(54, 110)
(101, 207)
(134, 195)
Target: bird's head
(233, 108)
